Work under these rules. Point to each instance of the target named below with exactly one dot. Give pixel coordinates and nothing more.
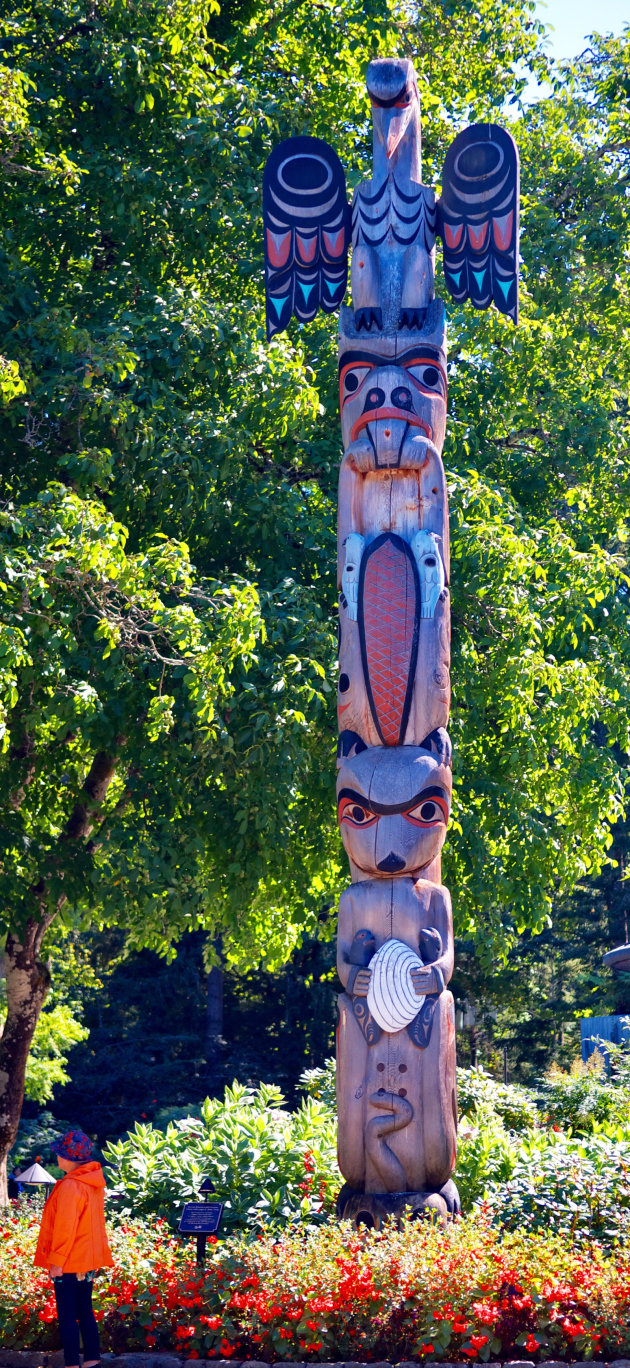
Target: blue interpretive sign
(201, 1218)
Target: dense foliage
(418, 1293)
(145, 411)
(561, 1163)
(168, 495)
(266, 1164)
(274, 1167)
(477, 1092)
(156, 1012)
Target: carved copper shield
(388, 616)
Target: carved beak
(396, 123)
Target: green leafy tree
(169, 480)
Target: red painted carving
(503, 231)
(453, 235)
(389, 619)
(478, 236)
(278, 247)
(334, 242)
(306, 247)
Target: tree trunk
(214, 1026)
(28, 981)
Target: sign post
(201, 1219)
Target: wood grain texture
(424, 1148)
(396, 1088)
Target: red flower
(531, 1344)
(573, 1328)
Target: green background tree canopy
(169, 480)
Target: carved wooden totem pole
(396, 1042)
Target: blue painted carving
(306, 219)
(478, 218)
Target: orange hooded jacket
(72, 1234)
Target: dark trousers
(74, 1309)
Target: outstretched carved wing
(306, 219)
(478, 218)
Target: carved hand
(361, 453)
(423, 980)
(362, 982)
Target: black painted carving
(478, 217)
(438, 743)
(419, 1030)
(306, 219)
(349, 743)
(371, 1029)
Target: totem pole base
(373, 1209)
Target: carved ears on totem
(393, 809)
(437, 743)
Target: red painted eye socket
(399, 104)
(428, 813)
(355, 813)
(351, 380)
(427, 376)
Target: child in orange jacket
(73, 1243)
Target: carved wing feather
(306, 219)
(478, 218)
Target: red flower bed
(418, 1293)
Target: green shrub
(266, 1164)
(478, 1091)
(322, 1084)
(485, 1156)
(579, 1187)
(587, 1098)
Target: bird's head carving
(393, 92)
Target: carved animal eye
(428, 813)
(351, 381)
(355, 813)
(427, 377)
(401, 397)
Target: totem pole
(396, 1090)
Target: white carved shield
(391, 998)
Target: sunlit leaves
(177, 582)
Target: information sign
(201, 1218)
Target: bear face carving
(393, 809)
